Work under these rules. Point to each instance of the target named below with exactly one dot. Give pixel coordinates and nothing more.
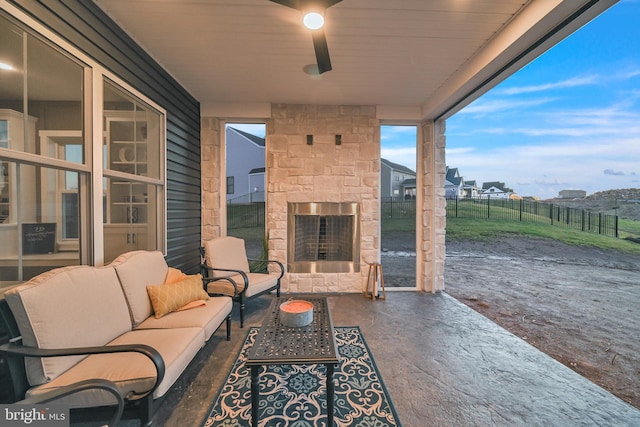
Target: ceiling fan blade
(294, 4)
(322, 51)
(300, 4)
(328, 3)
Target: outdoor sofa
(108, 325)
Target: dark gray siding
(84, 25)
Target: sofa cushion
(132, 372)
(226, 252)
(136, 270)
(173, 275)
(209, 317)
(86, 300)
(172, 296)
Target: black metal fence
(253, 215)
(533, 211)
(245, 215)
(395, 208)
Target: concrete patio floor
(443, 365)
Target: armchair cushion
(226, 252)
(172, 296)
(259, 283)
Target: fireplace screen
(323, 237)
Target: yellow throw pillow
(171, 296)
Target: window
(230, 186)
(133, 144)
(49, 205)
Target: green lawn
(473, 228)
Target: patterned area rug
(295, 395)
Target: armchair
(225, 269)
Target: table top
(280, 344)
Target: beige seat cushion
(258, 282)
(136, 270)
(208, 317)
(86, 300)
(130, 371)
(225, 252)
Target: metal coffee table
(277, 344)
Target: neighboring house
(496, 189)
(454, 184)
(245, 162)
(471, 189)
(397, 181)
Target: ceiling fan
(319, 39)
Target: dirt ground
(579, 305)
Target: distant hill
(623, 202)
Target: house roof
(496, 184)
(452, 173)
(397, 167)
(257, 170)
(455, 180)
(412, 59)
(255, 139)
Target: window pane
(132, 217)
(132, 134)
(44, 231)
(54, 95)
(134, 137)
(11, 66)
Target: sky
(568, 120)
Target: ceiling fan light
(313, 20)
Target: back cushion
(78, 306)
(226, 252)
(136, 270)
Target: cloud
(460, 150)
(481, 107)
(572, 82)
(612, 172)
(404, 156)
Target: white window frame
(94, 76)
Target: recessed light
(313, 20)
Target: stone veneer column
(210, 176)
(323, 172)
(433, 208)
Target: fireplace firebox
(323, 237)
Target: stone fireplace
(323, 237)
(323, 181)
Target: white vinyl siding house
(397, 181)
(245, 167)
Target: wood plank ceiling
(399, 53)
